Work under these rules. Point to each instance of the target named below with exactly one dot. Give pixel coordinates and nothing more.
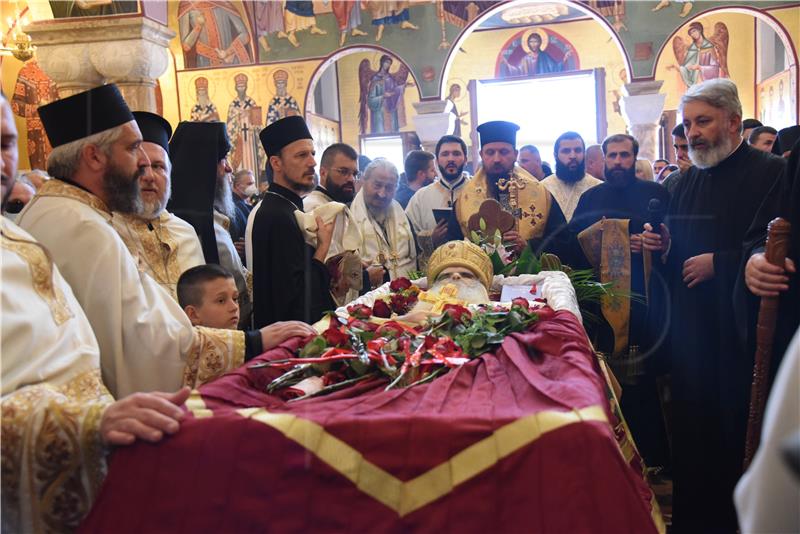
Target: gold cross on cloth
(446, 296)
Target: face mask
(10, 216)
(251, 190)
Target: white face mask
(251, 190)
(10, 216)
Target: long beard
(619, 178)
(339, 194)
(470, 291)
(450, 178)
(122, 192)
(713, 155)
(152, 209)
(564, 173)
(223, 198)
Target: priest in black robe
(624, 197)
(759, 278)
(290, 280)
(701, 249)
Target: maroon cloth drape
(227, 473)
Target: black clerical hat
(84, 114)
(280, 133)
(498, 132)
(155, 128)
(786, 139)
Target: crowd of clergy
(143, 267)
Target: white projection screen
(544, 107)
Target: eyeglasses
(344, 171)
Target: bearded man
(451, 157)
(538, 220)
(711, 209)
(338, 172)
(146, 341)
(202, 192)
(463, 265)
(570, 180)
(608, 221)
(163, 245)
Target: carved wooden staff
(777, 246)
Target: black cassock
(783, 200)
(640, 402)
(710, 211)
(288, 283)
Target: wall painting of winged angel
(704, 57)
(382, 102)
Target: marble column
(80, 54)
(432, 121)
(642, 106)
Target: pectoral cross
(446, 296)
(513, 187)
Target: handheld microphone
(655, 214)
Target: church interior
(389, 78)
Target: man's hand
(146, 416)
(698, 269)
(514, 241)
(375, 273)
(636, 243)
(324, 237)
(276, 333)
(684, 164)
(764, 279)
(656, 242)
(439, 234)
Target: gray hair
(380, 163)
(63, 160)
(720, 93)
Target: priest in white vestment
(389, 247)
(440, 195)
(164, 245)
(146, 341)
(338, 172)
(570, 179)
(57, 417)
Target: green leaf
(482, 225)
(473, 235)
(314, 348)
(477, 342)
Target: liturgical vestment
(146, 341)
(52, 395)
(567, 194)
(710, 212)
(164, 247)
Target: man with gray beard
(700, 250)
(163, 245)
(201, 194)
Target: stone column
(642, 106)
(81, 54)
(432, 121)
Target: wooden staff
(777, 246)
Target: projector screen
(544, 107)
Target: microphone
(655, 214)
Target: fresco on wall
(203, 109)
(536, 51)
(534, 13)
(382, 102)
(243, 124)
(282, 104)
(33, 89)
(704, 57)
(456, 96)
(92, 8)
(214, 34)
(324, 131)
(777, 101)
(685, 6)
(613, 10)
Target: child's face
(220, 306)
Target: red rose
(363, 325)
(359, 311)
(390, 330)
(521, 302)
(333, 377)
(399, 284)
(399, 303)
(334, 337)
(381, 309)
(458, 314)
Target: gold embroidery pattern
(59, 188)
(157, 248)
(52, 455)
(41, 268)
(407, 497)
(213, 353)
(534, 202)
